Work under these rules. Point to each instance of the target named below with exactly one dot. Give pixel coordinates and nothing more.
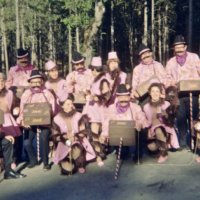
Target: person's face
(113, 65)
(180, 49)
(36, 83)
(23, 62)
(96, 71)
(155, 94)
(79, 66)
(53, 73)
(147, 57)
(124, 99)
(2, 84)
(68, 106)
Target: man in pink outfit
(124, 109)
(183, 66)
(36, 94)
(19, 74)
(147, 68)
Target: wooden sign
(1, 117)
(142, 89)
(189, 86)
(122, 129)
(37, 114)
(79, 98)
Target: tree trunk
(33, 52)
(17, 24)
(145, 34)
(152, 25)
(69, 49)
(112, 27)
(77, 39)
(190, 24)
(5, 53)
(50, 35)
(92, 30)
(159, 36)
(165, 37)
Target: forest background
(54, 29)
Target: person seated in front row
(161, 132)
(70, 135)
(124, 109)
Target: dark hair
(158, 85)
(70, 97)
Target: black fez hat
(35, 74)
(143, 48)
(22, 53)
(179, 39)
(77, 58)
(122, 90)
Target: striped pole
(191, 122)
(118, 159)
(38, 145)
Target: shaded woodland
(53, 29)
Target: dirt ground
(178, 178)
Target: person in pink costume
(147, 68)
(18, 75)
(37, 93)
(160, 116)
(114, 75)
(95, 105)
(79, 80)
(184, 65)
(70, 135)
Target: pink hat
(96, 62)
(112, 55)
(2, 76)
(49, 65)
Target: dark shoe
(47, 167)
(13, 175)
(32, 165)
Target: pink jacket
(61, 88)
(18, 76)
(10, 126)
(41, 97)
(142, 73)
(62, 150)
(82, 80)
(149, 115)
(134, 113)
(190, 70)
(122, 76)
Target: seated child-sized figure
(73, 149)
(161, 132)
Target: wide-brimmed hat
(50, 65)
(122, 90)
(35, 74)
(77, 58)
(179, 39)
(22, 53)
(142, 49)
(2, 76)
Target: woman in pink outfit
(94, 108)
(69, 132)
(159, 115)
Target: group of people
(80, 130)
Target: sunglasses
(97, 69)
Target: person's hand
(16, 111)
(24, 125)
(10, 138)
(102, 139)
(134, 95)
